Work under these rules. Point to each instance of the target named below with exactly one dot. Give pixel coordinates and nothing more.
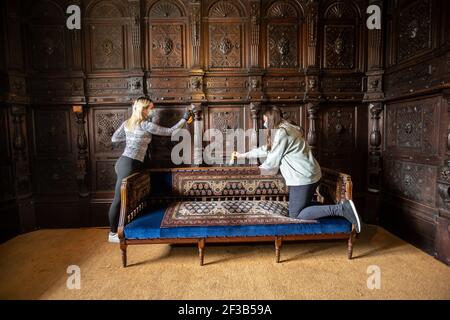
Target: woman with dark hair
(137, 131)
(287, 150)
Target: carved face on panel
(107, 47)
(283, 46)
(339, 45)
(413, 28)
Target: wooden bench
(146, 196)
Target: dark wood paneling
(315, 60)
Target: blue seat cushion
(147, 226)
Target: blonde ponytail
(138, 116)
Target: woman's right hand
(237, 155)
(188, 115)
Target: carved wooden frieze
(282, 46)
(415, 28)
(57, 87)
(411, 126)
(339, 47)
(225, 46)
(108, 48)
(418, 77)
(105, 124)
(114, 86)
(412, 181)
(342, 84)
(52, 132)
(167, 46)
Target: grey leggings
(302, 207)
(124, 167)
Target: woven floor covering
(228, 213)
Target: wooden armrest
(335, 186)
(134, 192)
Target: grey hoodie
(291, 154)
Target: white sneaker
(113, 237)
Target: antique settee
(222, 205)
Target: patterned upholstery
(231, 213)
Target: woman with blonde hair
(137, 132)
(289, 152)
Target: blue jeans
(302, 206)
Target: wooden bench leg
(350, 243)
(278, 244)
(123, 248)
(201, 250)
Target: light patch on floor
(34, 265)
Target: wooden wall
(314, 59)
(416, 145)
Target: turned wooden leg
(278, 244)
(350, 243)
(201, 250)
(123, 248)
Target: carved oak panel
(339, 47)
(414, 29)
(161, 147)
(105, 175)
(52, 132)
(105, 124)
(48, 48)
(294, 114)
(226, 118)
(225, 46)
(107, 47)
(338, 129)
(412, 181)
(55, 176)
(282, 45)
(411, 126)
(167, 48)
